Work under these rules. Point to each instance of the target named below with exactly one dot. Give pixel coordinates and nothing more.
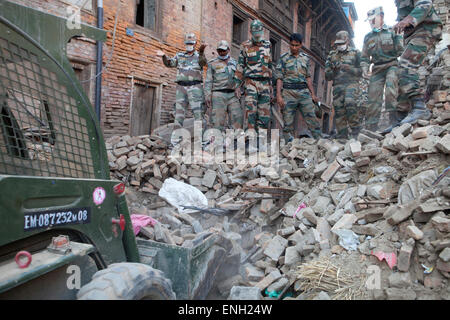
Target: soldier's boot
(340, 136)
(372, 127)
(355, 132)
(318, 134)
(288, 137)
(419, 112)
(395, 118)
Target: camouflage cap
(256, 26)
(223, 45)
(342, 37)
(190, 38)
(374, 12)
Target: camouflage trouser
(257, 103)
(345, 108)
(192, 96)
(384, 81)
(224, 103)
(299, 99)
(417, 46)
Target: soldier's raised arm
(170, 62)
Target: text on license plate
(53, 218)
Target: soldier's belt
(224, 90)
(260, 79)
(188, 83)
(295, 86)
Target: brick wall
(135, 56)
(217, 24)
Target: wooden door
(142, 113)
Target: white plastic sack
(347, 239)
(180, 194)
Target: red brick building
(138, 92)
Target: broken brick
(331, 171)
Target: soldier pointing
(189, 79)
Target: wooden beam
(326, 23)
(319, 16)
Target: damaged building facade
(138, 92)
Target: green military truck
(65, 230)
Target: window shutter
(150, 14)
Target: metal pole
(98, 80)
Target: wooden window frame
(245, 29)
(158, 19)
(286, 22)
(92, 11)
(276, 50)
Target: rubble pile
(374, 202)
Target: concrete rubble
(388, 190)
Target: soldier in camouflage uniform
(295, 89)
(254, 70)
(219, 89)
(381, 47)
(189, 78)
(343, 67)
(422, 28)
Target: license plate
(56, 218)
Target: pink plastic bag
(138, 221)
(391, 258)
(300, 208)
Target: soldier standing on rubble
(343, 67)
(254, 70)
(219, 89)
(422, 28)
(381, 47)
(295, 89)
(189, 78)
